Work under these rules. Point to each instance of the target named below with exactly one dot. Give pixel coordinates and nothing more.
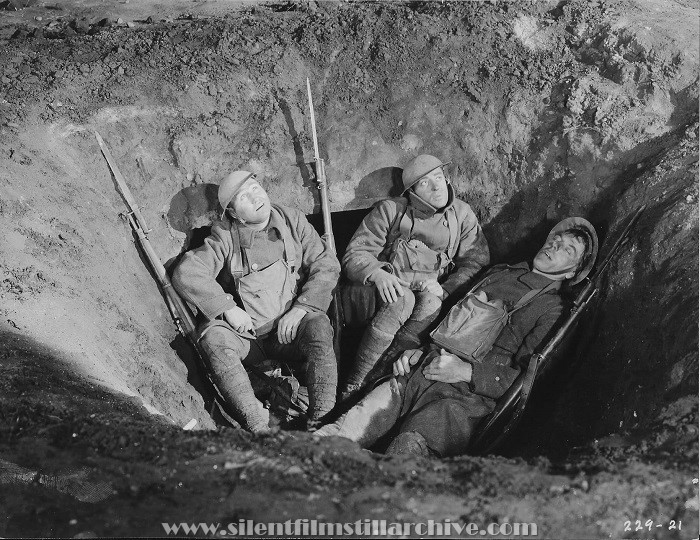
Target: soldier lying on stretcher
(440, 392)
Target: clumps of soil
(21, 282)
(103, 467)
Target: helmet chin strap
(257, 226)
(556, 276)
(421, 199)
(234, 216)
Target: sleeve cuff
(215, 306)
(306, 307)
(378, 266)
(312, 303)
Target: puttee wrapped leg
(315, 344)
(377, 339)
(224, 351)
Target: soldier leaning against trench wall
(278, 277)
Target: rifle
(180, 313)
(517, 395)
(327, 224)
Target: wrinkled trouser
(443, 415)
(226, 353)
(396, 327)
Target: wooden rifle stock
(179, 311)
(182, 317)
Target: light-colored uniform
(408, 237)
(266, 273)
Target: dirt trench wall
(545, 109)
(641, 368)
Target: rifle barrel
(178, 310)
(620, 239)
(321, 177)
(326, 212)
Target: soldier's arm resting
(195, 275)
(361, 257)
(448, 368)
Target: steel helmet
(230, 185)
(587, 228)
(417, 168)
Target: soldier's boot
(315, 342)
(223, 358)
(234, 386)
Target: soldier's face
(432, 188)
(251, 204)
(560, 254)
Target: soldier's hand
(408, 359)
(448, 368)
(434, 287)
(390, 287)
(239, 320)
(288, 325)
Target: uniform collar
(534, 280)
(246, 234)
(423, 209)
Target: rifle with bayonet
(514, 400)
(322, 185)
(180, 313)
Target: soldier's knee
(401, 309)
(221, 335)
(222, 346)
(317, 326)
(409, 442)
(428, 303)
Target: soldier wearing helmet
(262, 283)
(415, 251)
(437, 396)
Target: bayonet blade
(317, 156)
(121, 183)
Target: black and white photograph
(349, 269)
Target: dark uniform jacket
(527, 329)
(446, 414)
